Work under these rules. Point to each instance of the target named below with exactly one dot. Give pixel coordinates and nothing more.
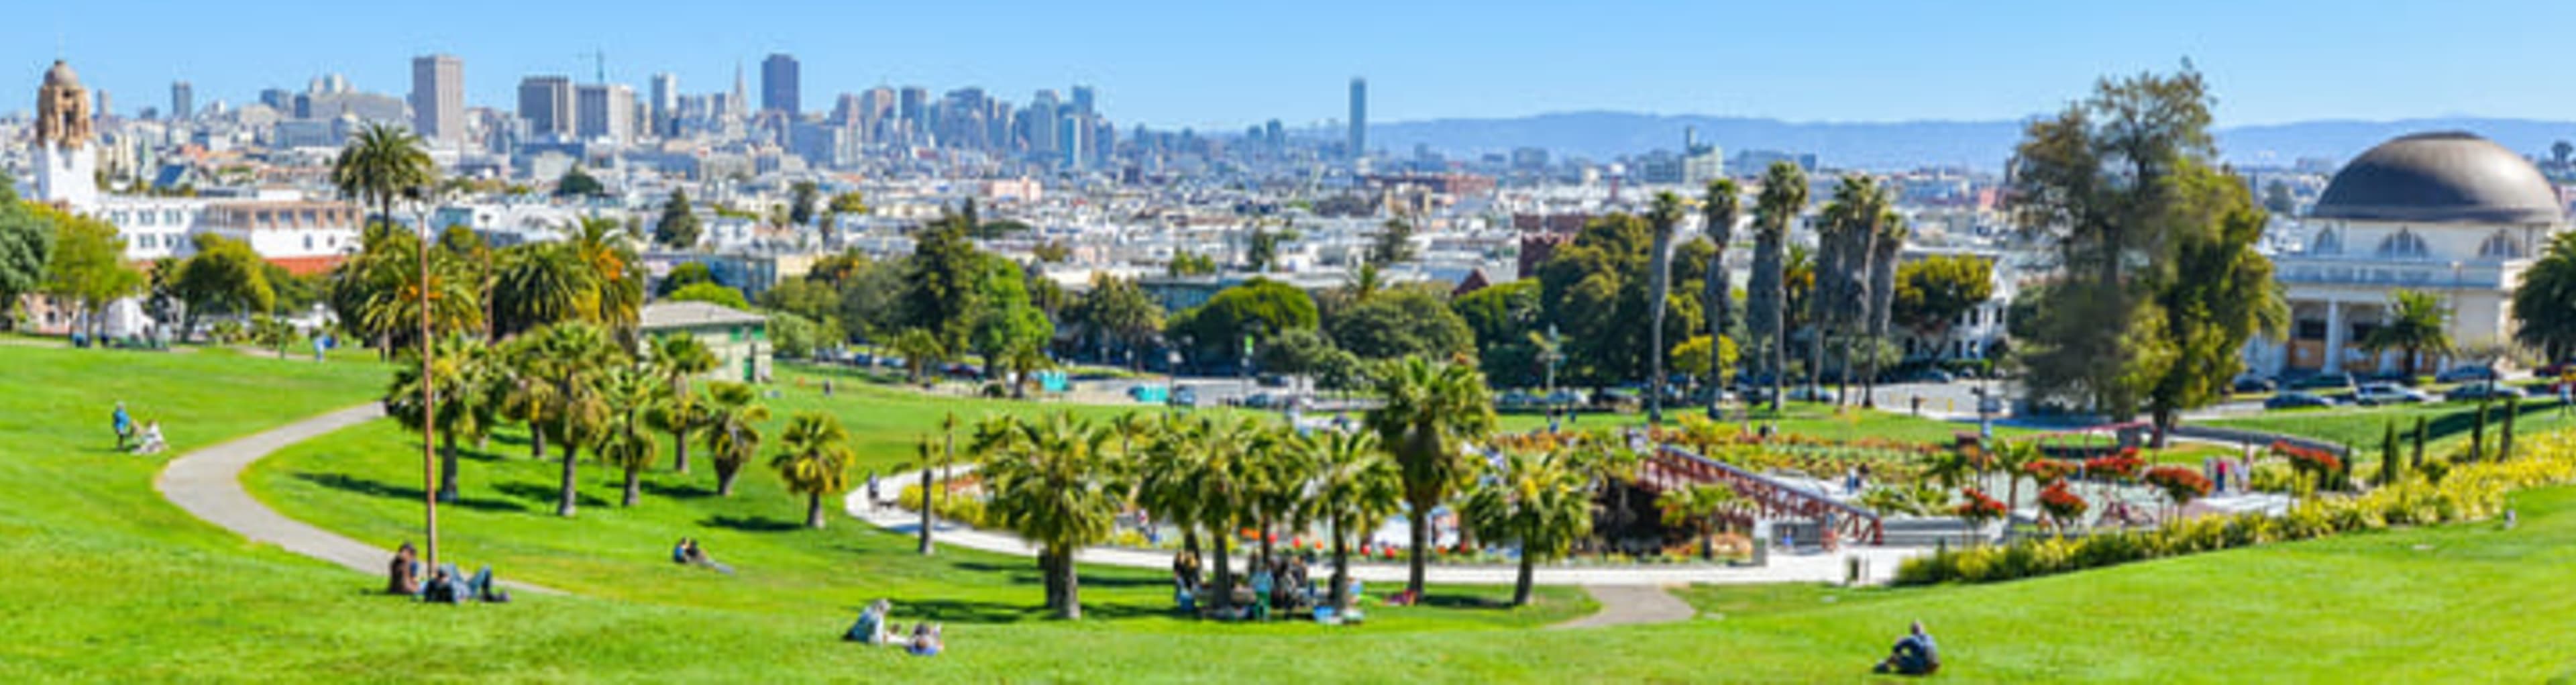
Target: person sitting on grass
(680, 552)
(697, 556)
(925, 640)
(872, 628)
(151, 441)
(1915, 654)
(403, 577)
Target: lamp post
(428, 388)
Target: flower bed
(2467, 493)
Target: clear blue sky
(1229, 63)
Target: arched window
(2328, 242)
(2404, 244)
(2502, 245)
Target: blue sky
(1227, 63)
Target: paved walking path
(207, 483)
(1631, 604)
(1812, 567)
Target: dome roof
(61, 75)
(2438, 177)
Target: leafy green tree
(802, 197)
(683, 275)
(1697, 508)
(1664, 218)
(1392, 244)
(2391, 467)
(872, 300)
(1503, 318)
(224, 278)
(1261, 251)
(1257, 308)
(711, 293)
(1775, 210)
(1539, 500)
(1051, 482)
(1354, 488)
(814, 460)
(26, 245)
(675, 361)
(578, 183)
(1431, 411)
(87, 266)
(1003, 316)
(947, 273)
(2416, 325)
(1409, 321)
(1596, 289)
(921, 351)
(816, 301)
(797, 337)
(627, 442)
(678, 228)
(381, 163)
(734, 417)
(849, 202)
(2544, 304)
(1190, 264)
(1932, 293)
(1719, 212)
(1117, 312)
(1297, 352)
(2218, 294)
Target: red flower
(1979, 506)
(2122, 466)
(2061, 503)
(2180, 484)
(2048, 469)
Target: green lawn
(1795, 418)
(2361, 428)
(107, 582)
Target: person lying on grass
(697, 556)
(1914, 654)
(925, 640)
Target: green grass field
(2361, 428)
(108, 582)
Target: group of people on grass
(144, 438)
(1278, 584)
(443, 585)
(874, 628)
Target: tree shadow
(1028, 574)
(1447, 601)
(968, 611)
(684, 491)
(547, 494)
(750, 524)
(376, 488)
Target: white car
(2374, 394)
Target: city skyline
(1892, 62)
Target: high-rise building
(183, 101)
(606, 112)
(912, 107)
(1083, 100)
(279, 99)
(778, 85)
(438, 98)
(1359, 118)
(665, 108)
(547, 105)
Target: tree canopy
(1257, 308)
(1931, 294)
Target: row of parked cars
(2475, 383)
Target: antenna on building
(599, 58)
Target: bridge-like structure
(1668, 467)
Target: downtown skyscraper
(778, 91)
(438, 98)
(1359, 118)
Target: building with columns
(2448, 213)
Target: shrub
(2062, 504)
(2180, 484)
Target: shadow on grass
(1438, 600)
(965, 611)
(750, 524)
(685, 491)
(375, 488)
(1027, 573)
(546, 494)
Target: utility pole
(428, 397)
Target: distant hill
(1603, 136)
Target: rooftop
(669, 315)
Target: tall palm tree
(627, 443)
(463, 373)
(814, 459)
(2416, 325)
(1782, 198)
(380, 164)
(1885, 250)
(1663, 218)
(572, 360)
(608, 250)
(1697, 508)
(1844, 245)
(675, 360)
(1222, 490)
(1050, 483)
(538, 284)
(1355, 487)
(1430, 412)
(1718, 214)
(1168, 470)
(1539, 500)
(734, 415)
(1278, 469)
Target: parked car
(2482, 391)
(2296, 399)
(1807, 394)
(2324, 381)
(1185, 396)
(2466, 374)
(1929, 376)
(2375, 394)
(2251, 385)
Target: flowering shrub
(2179, 484)
(2308, 460)
(1978, 507)
(2122, 467)
(2470, 492)
(2045, 470)
(2062, 504)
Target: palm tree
(1844, 245)
(2012, 458)
(380, 164)
(1168, 471)
(733, 430)
(1775, 208)
(1539, 500)
(676, 359)
(609, 251)
(2417, 324)
(1697, 508)
(1718, 213)
(463, 374)
(1664, 218)
(627, 442)
(540, 284)
(1223, 489)
(1049, 483)
(2544, 305)
(1884, 252)
(1277, 474)
(814, 460)
(571, 359)
(1355, 487)
(1431, 412)
(921, 351)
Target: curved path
(1820, 567)
(207, 483)
(1631, 604)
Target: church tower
(66, 164)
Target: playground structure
(1668, 467)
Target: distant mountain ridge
(1605, 135)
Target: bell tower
(66, 165)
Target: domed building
(2445, 212)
